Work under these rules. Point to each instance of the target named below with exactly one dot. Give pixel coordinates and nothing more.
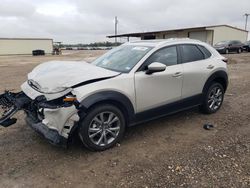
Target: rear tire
(213, 98)
(102, 128)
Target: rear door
(233, 46)
(197, 65)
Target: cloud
(18, 9)
(81, 21)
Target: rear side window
(205, 51)
(191, 53)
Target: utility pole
(246, 20)
(116, 23)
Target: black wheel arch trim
(218, 75)
(109, 97)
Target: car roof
(162, 42)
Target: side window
(234, 42)
(205, 51)
(191, 53)
(167, 56)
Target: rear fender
(219, 76)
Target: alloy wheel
(104, 128)
(215, 98)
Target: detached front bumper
(55, 125)
(51, 135)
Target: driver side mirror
(155, 67)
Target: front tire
(213, 98)
(102, 128)
(239, 50)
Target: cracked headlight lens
(38, 88)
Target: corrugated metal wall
(25, 46)
(227, 33)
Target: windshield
(122, 58)
(222, 43)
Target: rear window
(191, 53)
(205, 51)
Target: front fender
(109, 96)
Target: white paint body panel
(123, 84)
(196, 74)
(54, 74)
(158, 89)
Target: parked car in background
(246, 46)
(133, 83)
(225, 47)
(38, 52)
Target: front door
(159, 88)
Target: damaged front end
(52, 119)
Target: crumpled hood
(53, 75)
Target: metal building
(209, 34)
(24, 46)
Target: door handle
(210, 67)
(177, 74)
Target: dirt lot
(171, 152)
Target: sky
(82, 21)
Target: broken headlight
(36, 86)
(65, 101)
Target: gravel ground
(171, 152)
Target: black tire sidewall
(84, 126)
(205, 106)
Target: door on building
(148, 37)
(170, 35)
(198, 35)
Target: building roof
(25, 39)
(171, 30)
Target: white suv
(133, 83)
